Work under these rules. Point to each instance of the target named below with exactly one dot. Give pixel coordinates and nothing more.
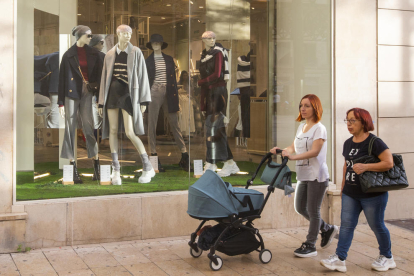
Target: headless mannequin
(123, 38)
(84, 39)
(208, 44)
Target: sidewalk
(171, 256)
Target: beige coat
(138, 84)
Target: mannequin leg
(71, 124)
(147, 170)
(86, 116)
(113, 129)
(129, 131)
(175, 128)
(157, 98)
(113, 144)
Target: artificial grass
(173, 179)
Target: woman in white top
(310, 146)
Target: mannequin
(125, 89)
(243, 83)
(214, 75)
(80, 67)
(164, 93)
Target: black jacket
(70, 78)
(172, 91)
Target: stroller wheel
(194, 253)
(217, 266)
(265, 256)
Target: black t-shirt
(353, 151)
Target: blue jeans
(374, 208)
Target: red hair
(316, 105)
(364, 116)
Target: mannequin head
(97, 42)
(83, 35)
(209, 39)
(124, 33)
(156, 46)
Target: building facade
(349, 53)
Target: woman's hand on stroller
(277, 150)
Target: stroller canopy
(210, 198)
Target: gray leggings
(308, 201)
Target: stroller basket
(241, 242)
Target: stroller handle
(267, 157)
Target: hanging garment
(243, 71)
(186, 116)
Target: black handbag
(373, 182)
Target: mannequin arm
(143, 108)
(100, 111)
(217, 70)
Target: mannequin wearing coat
(164, 94)
(80, 66)
(214, 72)
(125, 88)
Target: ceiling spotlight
(79, 14)
(191, 2)
(199, 20)
(162, 17)
(201, 7)
(252, 8)
(168, 5)
(149, 16)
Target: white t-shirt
(315, 167)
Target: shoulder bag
(372, 182)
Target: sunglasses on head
(89, 36)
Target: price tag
(198, 167)
(154, 162)
(105, 173)
(67, 173)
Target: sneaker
(116, 177)
(209, 166)
(328, 236)
(306, 250)
(334, 263)
(227, 169)
(383, 263)
(146, 176)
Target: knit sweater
(243, 71)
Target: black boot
(96, 170)
(160, 168)
(185, 162)
(76, 177)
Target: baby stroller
(235, 209)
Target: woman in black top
(354, 201)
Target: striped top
(120, 67)
(160, 70)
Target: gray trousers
(308, 201)
(158, 93)
(84, 108)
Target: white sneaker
(227, 169)
(334, 263)
(209, 166)
(116, 177)
(382, 263)
(146, 176)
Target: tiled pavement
(170, 256)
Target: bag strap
(371, 144)
(80, 70)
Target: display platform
(172, 180)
